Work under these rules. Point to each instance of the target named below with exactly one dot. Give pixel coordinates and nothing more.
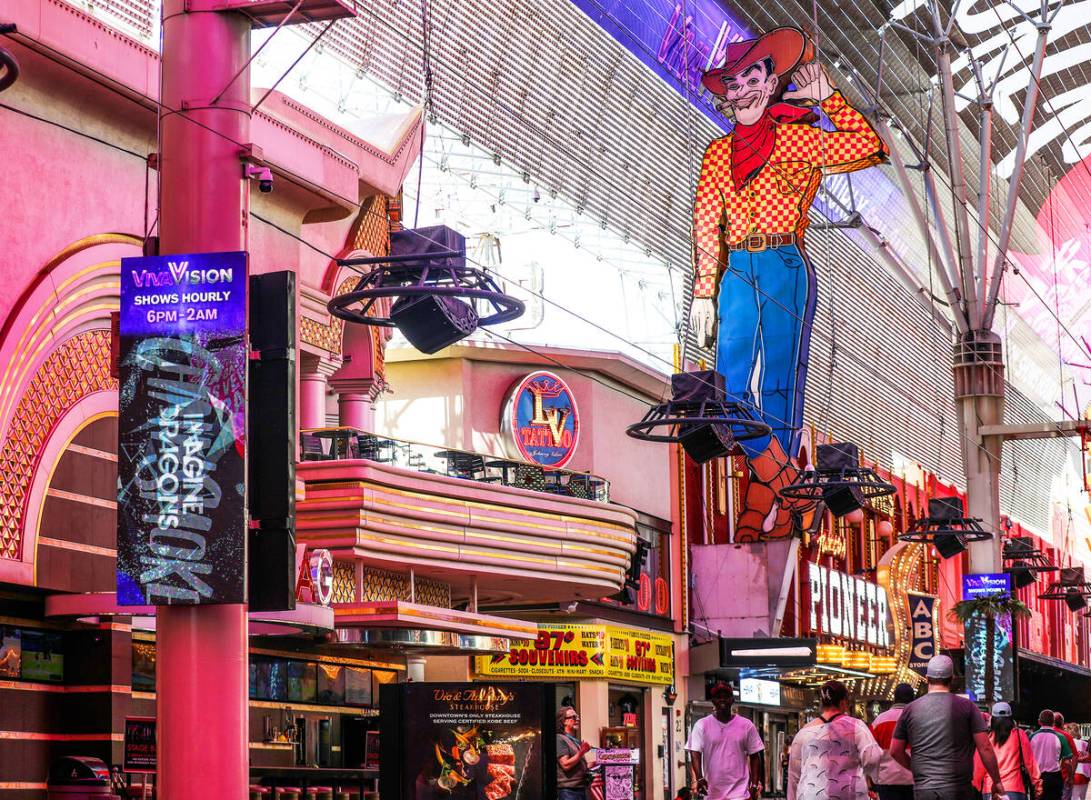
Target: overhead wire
(863, 362)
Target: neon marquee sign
(541, 420)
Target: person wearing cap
(1068, 768)
(725, 751)
(1014, 756)
(752, 271)
(1052, 752)
(942, 730)
(895, 782)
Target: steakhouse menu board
(181, 432)
(473, 741)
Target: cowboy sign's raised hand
(812, 83)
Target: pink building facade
(80, 188)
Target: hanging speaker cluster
(1023, 561)
(700, 417)
(1072, 587)
(947, 528)
(435, 298)
(838, 480)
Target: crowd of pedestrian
(939, 746)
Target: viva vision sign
(181, 535)
(541, 420)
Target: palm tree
(989, 607)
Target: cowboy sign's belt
(756, 242)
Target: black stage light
(705, 442)
(948, 545)
(702, 386)
(840, 498)
(1075, 600)
(432, 322)
(843, 500)
(1021, 577)
(838, 480)
(945, 509)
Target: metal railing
(341, 443)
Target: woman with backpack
(1018, 768)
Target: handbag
(1028, 784)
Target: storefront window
(144, 667)
(652, 594)
(299, 681)
(31, 655)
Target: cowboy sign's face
(748, 95)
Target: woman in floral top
(833, 755)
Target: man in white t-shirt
(725, 751)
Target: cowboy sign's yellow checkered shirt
(775, 200)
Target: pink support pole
(312, 401)
(202, 651)
(355, 411)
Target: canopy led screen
(181, 535)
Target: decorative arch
(55, 352)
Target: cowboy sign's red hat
(786, 47)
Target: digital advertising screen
(182, 430)
(467, 741)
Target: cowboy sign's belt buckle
(756, 242)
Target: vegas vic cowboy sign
(755, 287)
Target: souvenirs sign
(586, 651)
(541, 420)
(181, 431)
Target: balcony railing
(332, 444)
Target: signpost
(140, 745)
(922, 627)
(181, 430)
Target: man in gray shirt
(941, 730)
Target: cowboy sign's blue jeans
(766, 307)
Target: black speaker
(705, 442)
(705, 385)
(837, 456)
(432, 322)
(1075, 600)
(271, 449)
(636, 564)
(1070, 575)
(842, 499)
(1021, 577)
(949, 544)
(946, 508)
(270, 563)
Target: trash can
(79, 778)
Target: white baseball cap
(1001, 709)
(940, 667)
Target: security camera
(263, 175)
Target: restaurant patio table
(463, 464)
(305, 777)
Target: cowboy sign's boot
(765, 514)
